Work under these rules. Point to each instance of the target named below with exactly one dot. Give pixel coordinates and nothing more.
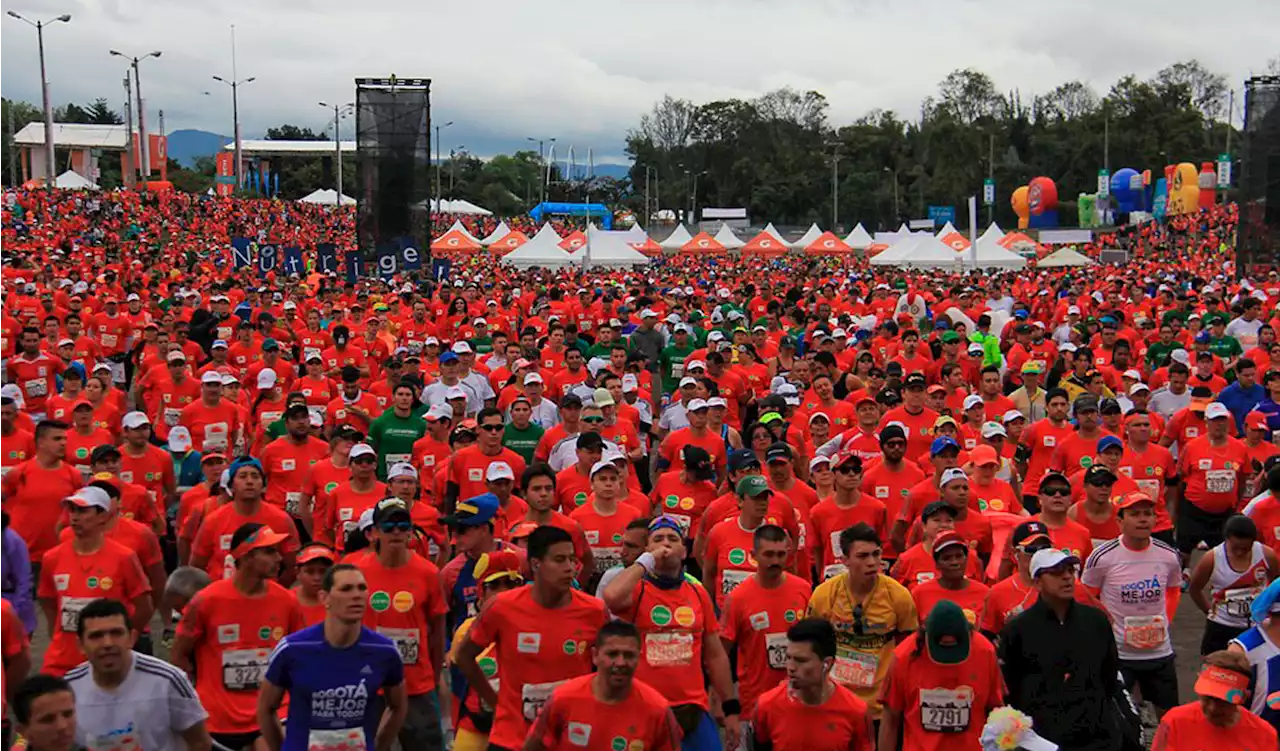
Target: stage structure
(1258, 196)
(393, 148)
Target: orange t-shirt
(342, 514)
(1185, 727)
(540, 649)
(829, 520)
(1011, 596)
(673, 624)
(71, 581)
(288, 465)
(572, 489)
(573, 716)
(915, 682)
(672, 448)
(685, 503)
(80, 447)
(841, 723)
(132, 535)
(213, 540)
(916, 566)
(33, 497)
(153, 470)
(603, 532)
(212, 428)
(919, 427)
(234, 635)
(1214, 475)
(757, 619)
(466, 469)
(971, 599)
(1043, 438)
(402, 603)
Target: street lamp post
(453, 165)
(235, 116)
(145, 168)
(438, 129)
(542, 178)
(894, 170)
(338, 111)
(50, 164)
(835, 185)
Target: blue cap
(246, 461)
(1020, 314)
(448, 356)
(942, 443)
(1203, 337)
(665, 522)
(474, 511)
(1109, 442)
(740, 459)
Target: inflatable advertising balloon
(1020, 206)
(1160, 199)
(1127, 190)
(1042, 200)
(1184, 190)
(1208, 184)
(1086, 209)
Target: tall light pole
(145, 168)
(453, 164)
(50, 164)
(235, 118)
(438, 129)
(835, 184)
(542, 178)
(894, 170)
(339, 110)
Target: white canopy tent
(992, 232)
(773, 232)
(457, 225)
(1064, 257)
(543, 251)
(893, 254)
(991, 256)
(728, 239)
(811, 234)
(547, 232)
(325, 197)
(499, 232)
(947, 229)
(677, 239)
(610, 250)
(637, 233)
(71, 180)
(920, 252)
(859, 238)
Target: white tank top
(1232, 591)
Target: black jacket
(1063, 674)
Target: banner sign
(1104, 183)
(224, 173)
(293, 263)
(988, 191)
(1224, 170)
(242, 252)
(410, 255)
(268, 259)
(354, 266)
(942, 214)
(326, 258)
(388, 255)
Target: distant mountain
(188, 145)
(616, 171)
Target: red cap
(263, 537)
(1255, 420)
(316, 551)
(947, 538)
(496, 565)
(1132, 499)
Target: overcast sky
(584, 72)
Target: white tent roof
(610, 249)
(677, 239)
(637, 233)
(451, 207)
(327, 196)
(1064, 257)
(71, 180)
(457, 224)
(773, 231)
(896, 252)
(546, 232)
(543, 250)
(726, 238)
(920, 252)
(993, 232)
(947, 229)
(499, 232)
(991, 255)
(859, 238)
(811, 234)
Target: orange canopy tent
(648, 247)
(827, 244)
(702, 243)
(573, 241)
(1014, 240)
(955, 241)
(508, 243)
(454, 242)
(875, 248)
(764, 244)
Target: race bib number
(533, 696)
(1145, 631)
(836, 552)
(346, 739)
(291, 503)
(406, 640)
(1150, 487)
(1238, 603)
(399, 459)
(109, 340)
(776, 646)
(855, 669)
(314, 411)
(36, 387)
(117, 372)
(730, 579)
(945, 710)
(1220, 481)
(69, 612)
(606, 558)
(669, 649)
(242, 669)
(677, 370)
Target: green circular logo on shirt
(1086, 461)
(82, 453)
(982, 505)
(617, 537)
(264, 632)
(737, 556)
(671, 501)
(660, 615)
(579, 499)
(92, 582)
(618, 743)
(789, 616)
(380, 601)
(488, 666)
(570, 646)
(329, 487)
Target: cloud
(584, 72)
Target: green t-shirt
(393, 437)
(1158, 354)
(671, 360)
(599, 350)
(483, 345)
(523, 442)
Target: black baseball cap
(296, 410)
(914, 381)
(1029, 532)
(891, 432)
(1098, 475)
(590, 440)
(350, 374)
(698, 462)
(741, 459)
(570, 400)
(104, 453)
(937, 507)
(778, 451)
(1055, 477)
(390, 508)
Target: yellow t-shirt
(862, 659)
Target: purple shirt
(16, 577)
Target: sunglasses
(491, 428)
(364, 460)
(594, 419)
(395, 526)
(1063, 492)
(847, 470)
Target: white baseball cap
(717, 401)
(266, 378)
(993, 429)
(401, 469)
(630, 383)
(173, 356)
(1135, 375)
(1216, 410)
(971, 401)
(952, 474)
(695, 364)
(461, 348)
(647, 313)
(696, 404)
(1049, 559)
(211, 376)
(439, 412)
(601, 465)
(90, 497)
(686, 381)
(14, 391)
(135, 420)
(362, 449)
(499, 471)
(366, 520)
(532, 378)
(1012, 415)
(455, 392)
(1139, 386)
(229, 380)
(179, 439)
(218, 343)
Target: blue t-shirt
(332, 691)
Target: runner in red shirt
(1039, 442)
(34, 490)
(891, 479)
(213, 422)
(35, 372)
(847, 507)
(684, 494)
(604, 519)
(213, 549)
(951, 557)
(289, 459)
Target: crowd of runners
(782, 505)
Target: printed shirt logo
(528, 643)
